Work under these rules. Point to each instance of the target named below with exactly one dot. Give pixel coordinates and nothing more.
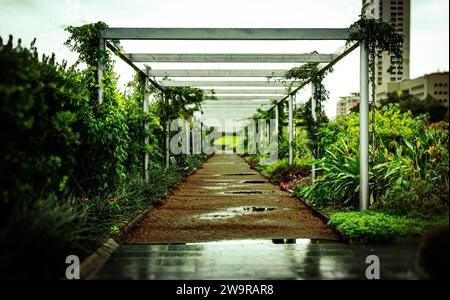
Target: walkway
(226, 200)
(227, 222)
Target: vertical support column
(291, 129)
(146, 139)
(277, 117)
(314, 117)
(364, 127)
(100, 67)
(187, 137)
(167, 156)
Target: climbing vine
(302, 74)
(380, 37)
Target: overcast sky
(46, 20)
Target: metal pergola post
(187, 137)
(146, 126)
(277, 116)
(100, 67)
(314, 117)
(364, 127)
(167, 137)
(291, 129)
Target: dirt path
(226, 200)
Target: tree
(430, 106)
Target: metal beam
(236, 105)
(216, 73)
(131, 64)
(322, 69)
(230, 57)
(225, 33)
(229, 83)
(274, 91)
(246, 97)
(236, 108)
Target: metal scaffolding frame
(253, 94)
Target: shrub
(339, 179)
(376, 226)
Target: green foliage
(380, 37)
(391, 124)
(415, 175)
(407, 102)
(59, 144)
(311, 72)
(410, 172)
(304, 116)
(339, 182)
(375, 226)
(40, 121)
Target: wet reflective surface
(226, 200)
(257, 259)
(236, 211)
(253, 181)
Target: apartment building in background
(434, 84)
(396, 13)
(346, 103)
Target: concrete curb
(94, 261)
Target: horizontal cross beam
(246, 97)
(230, 57)
(261, 83)
(225, 33)
(274, 91)
(216, 73)
(237, 106)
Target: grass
(229, 141)
(378, 226)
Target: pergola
(239, 99)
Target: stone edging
(96, 259)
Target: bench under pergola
(240, 99)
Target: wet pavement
(226, 200)
(257, 259)
(227, 222)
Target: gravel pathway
(226, 200)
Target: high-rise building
(396, 13)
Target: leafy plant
(376, 226)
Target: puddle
(283, 241)
(243, 192)
(254, 181)
(267, 242)
(214, 187)
(225, 163)
(236, 212)
(227, 185)
(236, 174)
